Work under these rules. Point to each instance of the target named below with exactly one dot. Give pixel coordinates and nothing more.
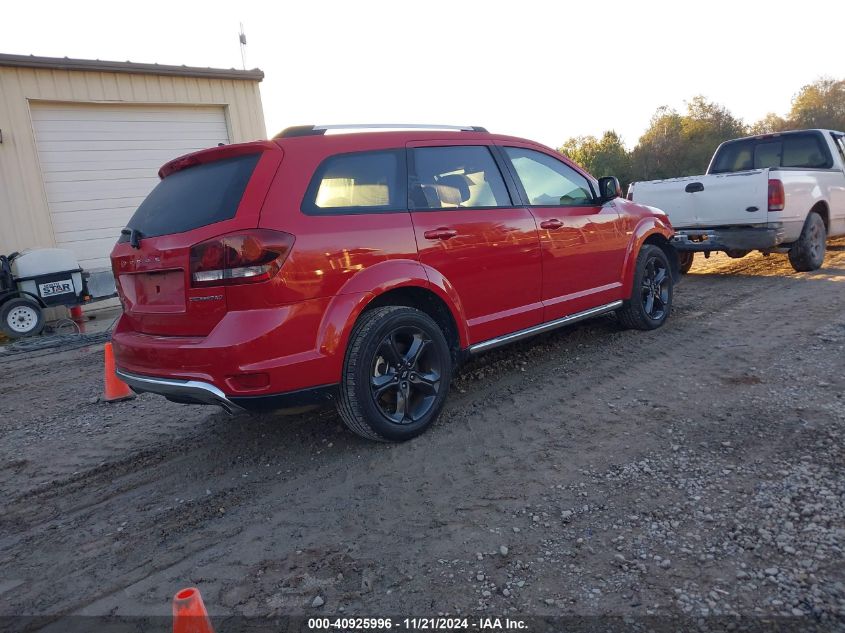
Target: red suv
(363, 268)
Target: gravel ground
(692, 472)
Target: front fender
(645, 228)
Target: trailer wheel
(21, 317)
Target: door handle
(441, 233)
(693, 187)
(554, 223)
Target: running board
(543, 327)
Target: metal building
(81, 142)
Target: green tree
(605, 156)
(768, 124)
(682, 144)
(820, 104)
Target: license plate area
(155, 292)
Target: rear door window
(359, 182)
(461, 176)
(193, 197)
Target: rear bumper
(251, 360)
(199, 392)
(729, 239)
(184, 391)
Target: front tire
(396, 374)
(651, 296)
(21, 317)
(808, 252)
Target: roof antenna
(242, 40)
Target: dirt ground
(696, 470)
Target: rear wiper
(134, 236)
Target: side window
(459, 176)
(801, 150)
(548, 181)
(361, 182)
(839, 139)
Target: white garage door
(100, 161)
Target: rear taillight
(776, 195)
(239, 258)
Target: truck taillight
(776, 196)
(239, 258)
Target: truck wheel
(396, 374)
(685, 260)
(21, 317)
(651, 296)
(808, 252)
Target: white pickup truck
(780, 193)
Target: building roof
(96, 65)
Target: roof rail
(319, 130)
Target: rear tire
(20, 317)
(396, 374)
(808, 252)
(651, 295)
(685, 261)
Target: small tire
(685, 261)
(20, 317)
(651, 295)
(396, 374)
(808, 252)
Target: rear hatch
(170, 262)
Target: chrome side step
(543, 327)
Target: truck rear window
(194, 197)
(805, 151)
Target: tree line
(681, 144)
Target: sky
(546, 71)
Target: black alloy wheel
(655, 288)
(406, 376)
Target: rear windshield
(805, 151)
(194, 197)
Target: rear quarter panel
(805, 189)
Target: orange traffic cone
(115, 389)
(189, 614)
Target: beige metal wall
(24, 215)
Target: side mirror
(609, 188)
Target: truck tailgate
(733, 199)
